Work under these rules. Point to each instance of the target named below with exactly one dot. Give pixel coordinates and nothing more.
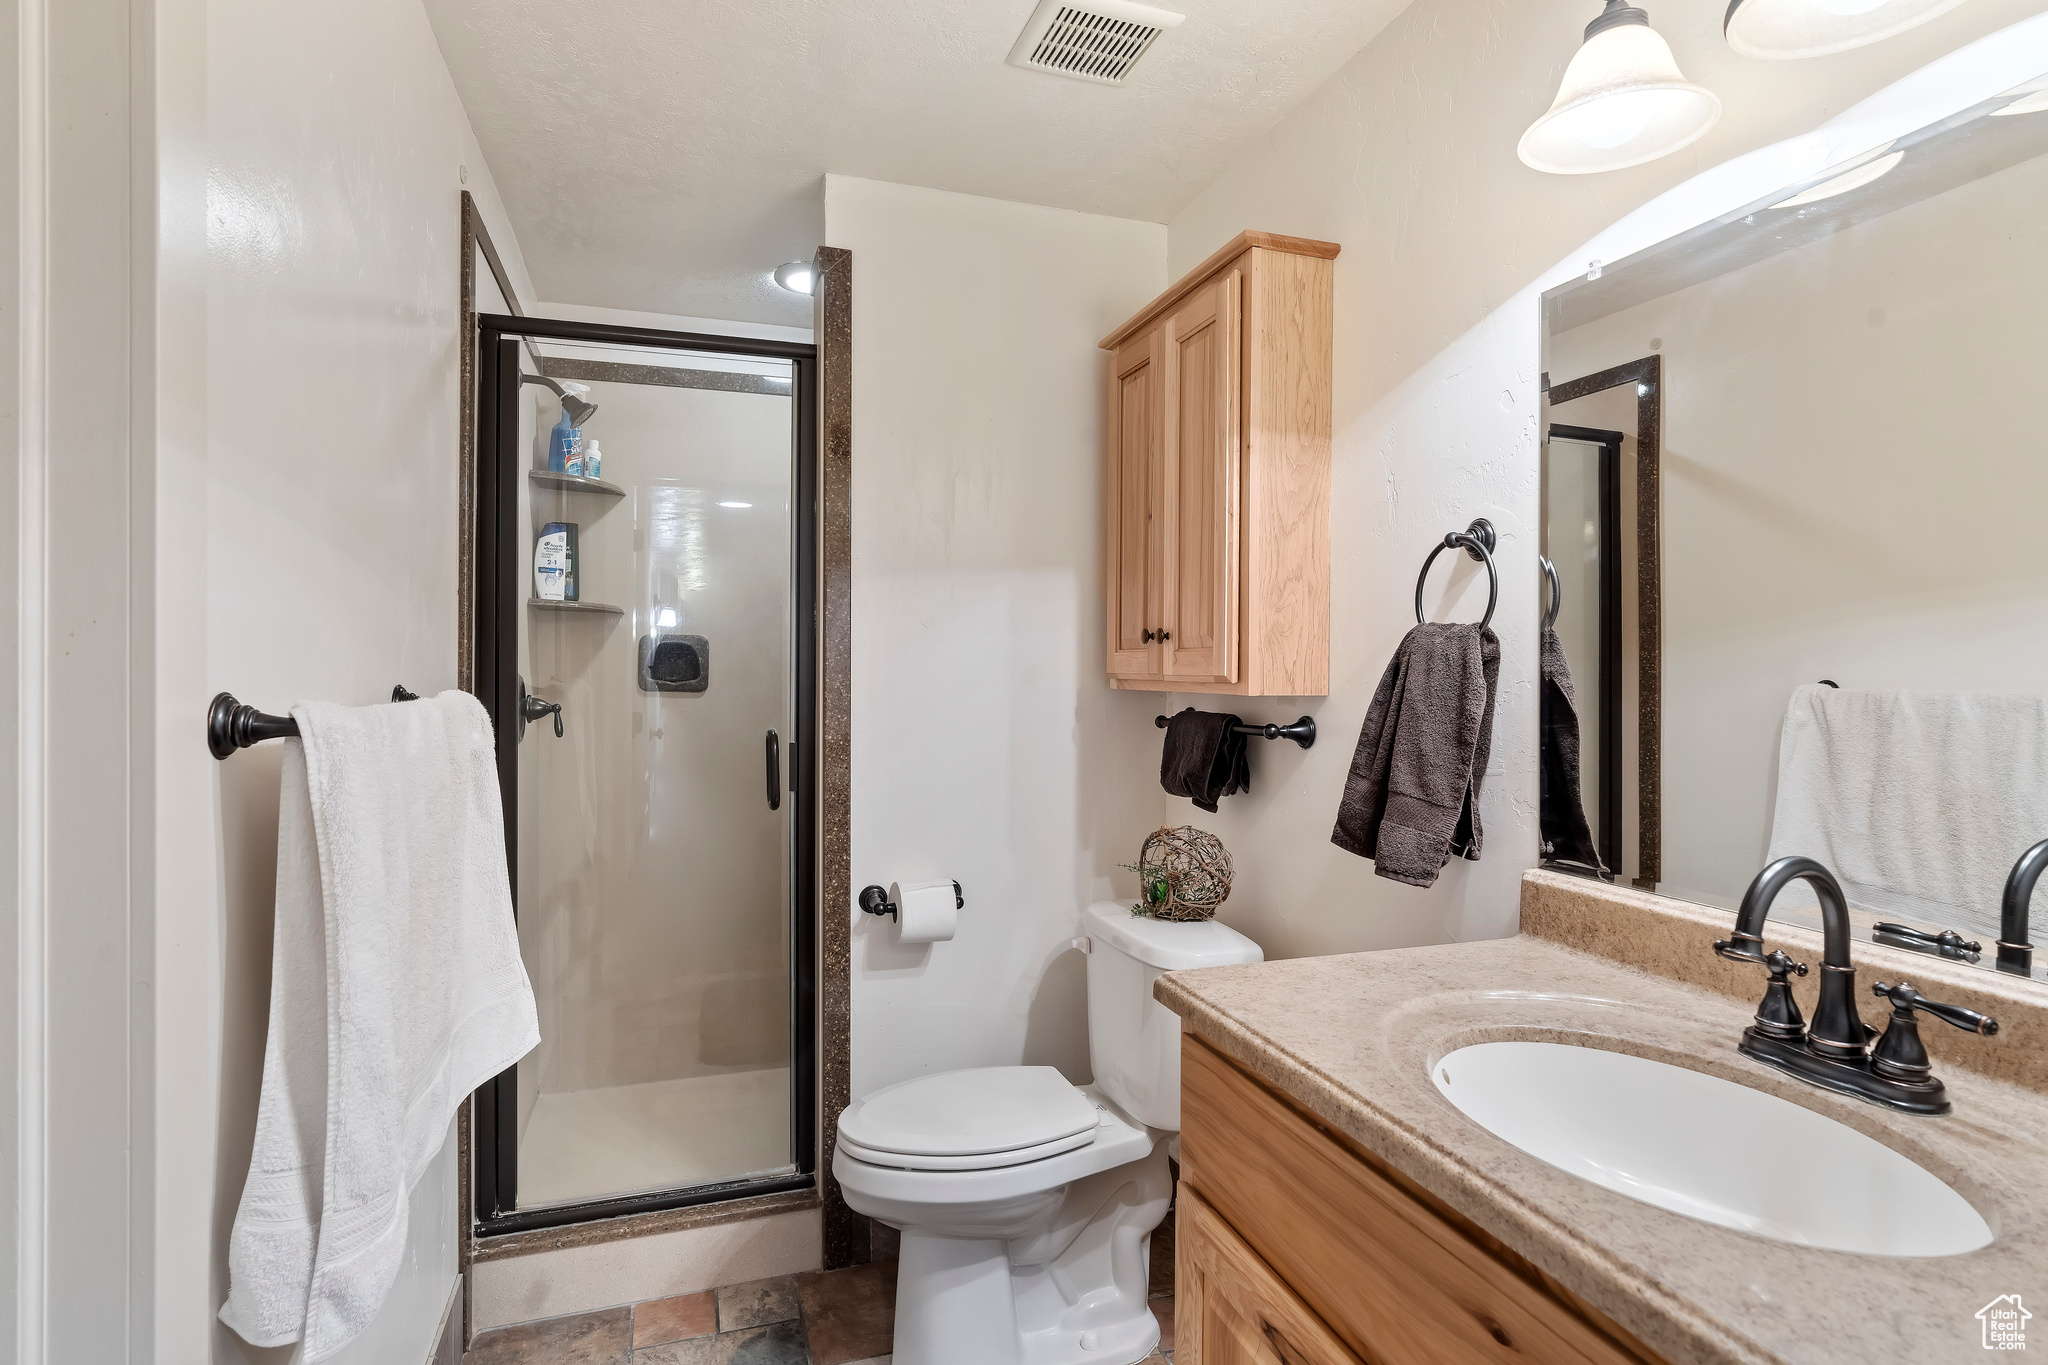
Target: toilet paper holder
(875, 900)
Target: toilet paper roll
(927, 912)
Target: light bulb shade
(1623, 101)
(2036, 103)
(798, 277)
(1855, 178)
(1786, 30)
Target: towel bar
(1302, 732)
(231, 725)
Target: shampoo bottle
(554, 562)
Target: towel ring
(1556, 592)
(1476, 540)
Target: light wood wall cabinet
(1294, 1247)
(1217, 499)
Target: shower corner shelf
(574, 483)
(599, 608)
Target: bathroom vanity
(1392, 1273)
(1336, 1206)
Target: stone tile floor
(831, 1317)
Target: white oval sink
(1709, 1149)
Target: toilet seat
(982, 1118)
(971, 1161)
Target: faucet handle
(1777, 1015)
(1782, 966)
(1905, 1000)
(1742, 948)
(1900, 1055)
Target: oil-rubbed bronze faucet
(1834, 1050)
(2015, 954)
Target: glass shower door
(656, 699)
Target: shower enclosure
(644, 645)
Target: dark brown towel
(1566, 834)
(1204, 757)
(1411, 800)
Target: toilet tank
(1133, 1040)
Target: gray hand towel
(1411, 800)
(1204, 757)
(1566, 834)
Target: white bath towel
(1918, 802)
(396, 989)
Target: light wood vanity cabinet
(1295, 1248)
(1217, 477)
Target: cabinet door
(1137, 396)
(1203, 346)
(1397, 1282)
(1229, 1306)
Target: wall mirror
(1794, 472)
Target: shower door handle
(774, 771)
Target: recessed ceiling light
(1623, 101)
(798, 277)
(2036, 103)
(735, 504)
(1784, 30)
(1854, 178)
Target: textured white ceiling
(664, 155)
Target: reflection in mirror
(1601, 635)
(1582, 645)
(1839, 631)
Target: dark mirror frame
(1647, 375)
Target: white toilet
(1027, 1203)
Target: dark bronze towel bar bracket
(231, 725)
(1302, 732)
(1476, 540)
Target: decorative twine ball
(1185, 873)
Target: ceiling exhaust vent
(1090, 40)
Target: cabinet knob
(1147, 636)
(1164, 635)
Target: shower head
(578, 410)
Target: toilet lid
(962, 1113)
(973, 1161)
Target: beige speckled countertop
(1353, 1038)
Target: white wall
(986, 743)
(335, 143)
(1407, 158)
(669, 322)
(1849, 490)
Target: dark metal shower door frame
(1611, 851)
(500, 597)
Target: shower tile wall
(653, 875)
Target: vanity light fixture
(1784, 30)
(1623, 101)
(2036, 103)
(798, 277)
(1854, 178)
